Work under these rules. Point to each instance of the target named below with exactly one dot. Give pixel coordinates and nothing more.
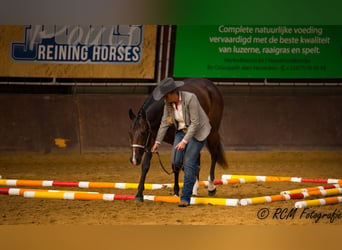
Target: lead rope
(162, 165)
(174, 159)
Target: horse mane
(147, 103)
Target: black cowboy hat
(166, 86)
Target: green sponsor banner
(258, 51)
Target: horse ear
(131, 114)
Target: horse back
(209, 97)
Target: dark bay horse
(146, 124)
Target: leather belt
(184, 130)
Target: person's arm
(193, 109)
(164, 125)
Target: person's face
(172, 97)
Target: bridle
(145, 148)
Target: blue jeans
(191, 155)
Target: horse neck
(148, 102)
(154, 111)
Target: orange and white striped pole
(78, 184)
(256, 178)
(282, 197)
(319, 202)
(89, 184)
(316, 188)
(77, 195)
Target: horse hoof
(212, 192)
(139, 199)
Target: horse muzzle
(136, 156)
(134, 161)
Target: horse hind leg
(211, 178)
(196, 186)
(211, 188)
(217, 156)
(213, 146)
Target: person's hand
(155, 147)
(181, 145)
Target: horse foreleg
(176, 181)
(145, 167)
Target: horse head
(140, 136)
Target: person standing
(182, 110)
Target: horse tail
(216, 150)
(221, 159)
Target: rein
(144, 147)
(157, 153)
(173, 167)
(162, 165)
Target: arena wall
(99, 122)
